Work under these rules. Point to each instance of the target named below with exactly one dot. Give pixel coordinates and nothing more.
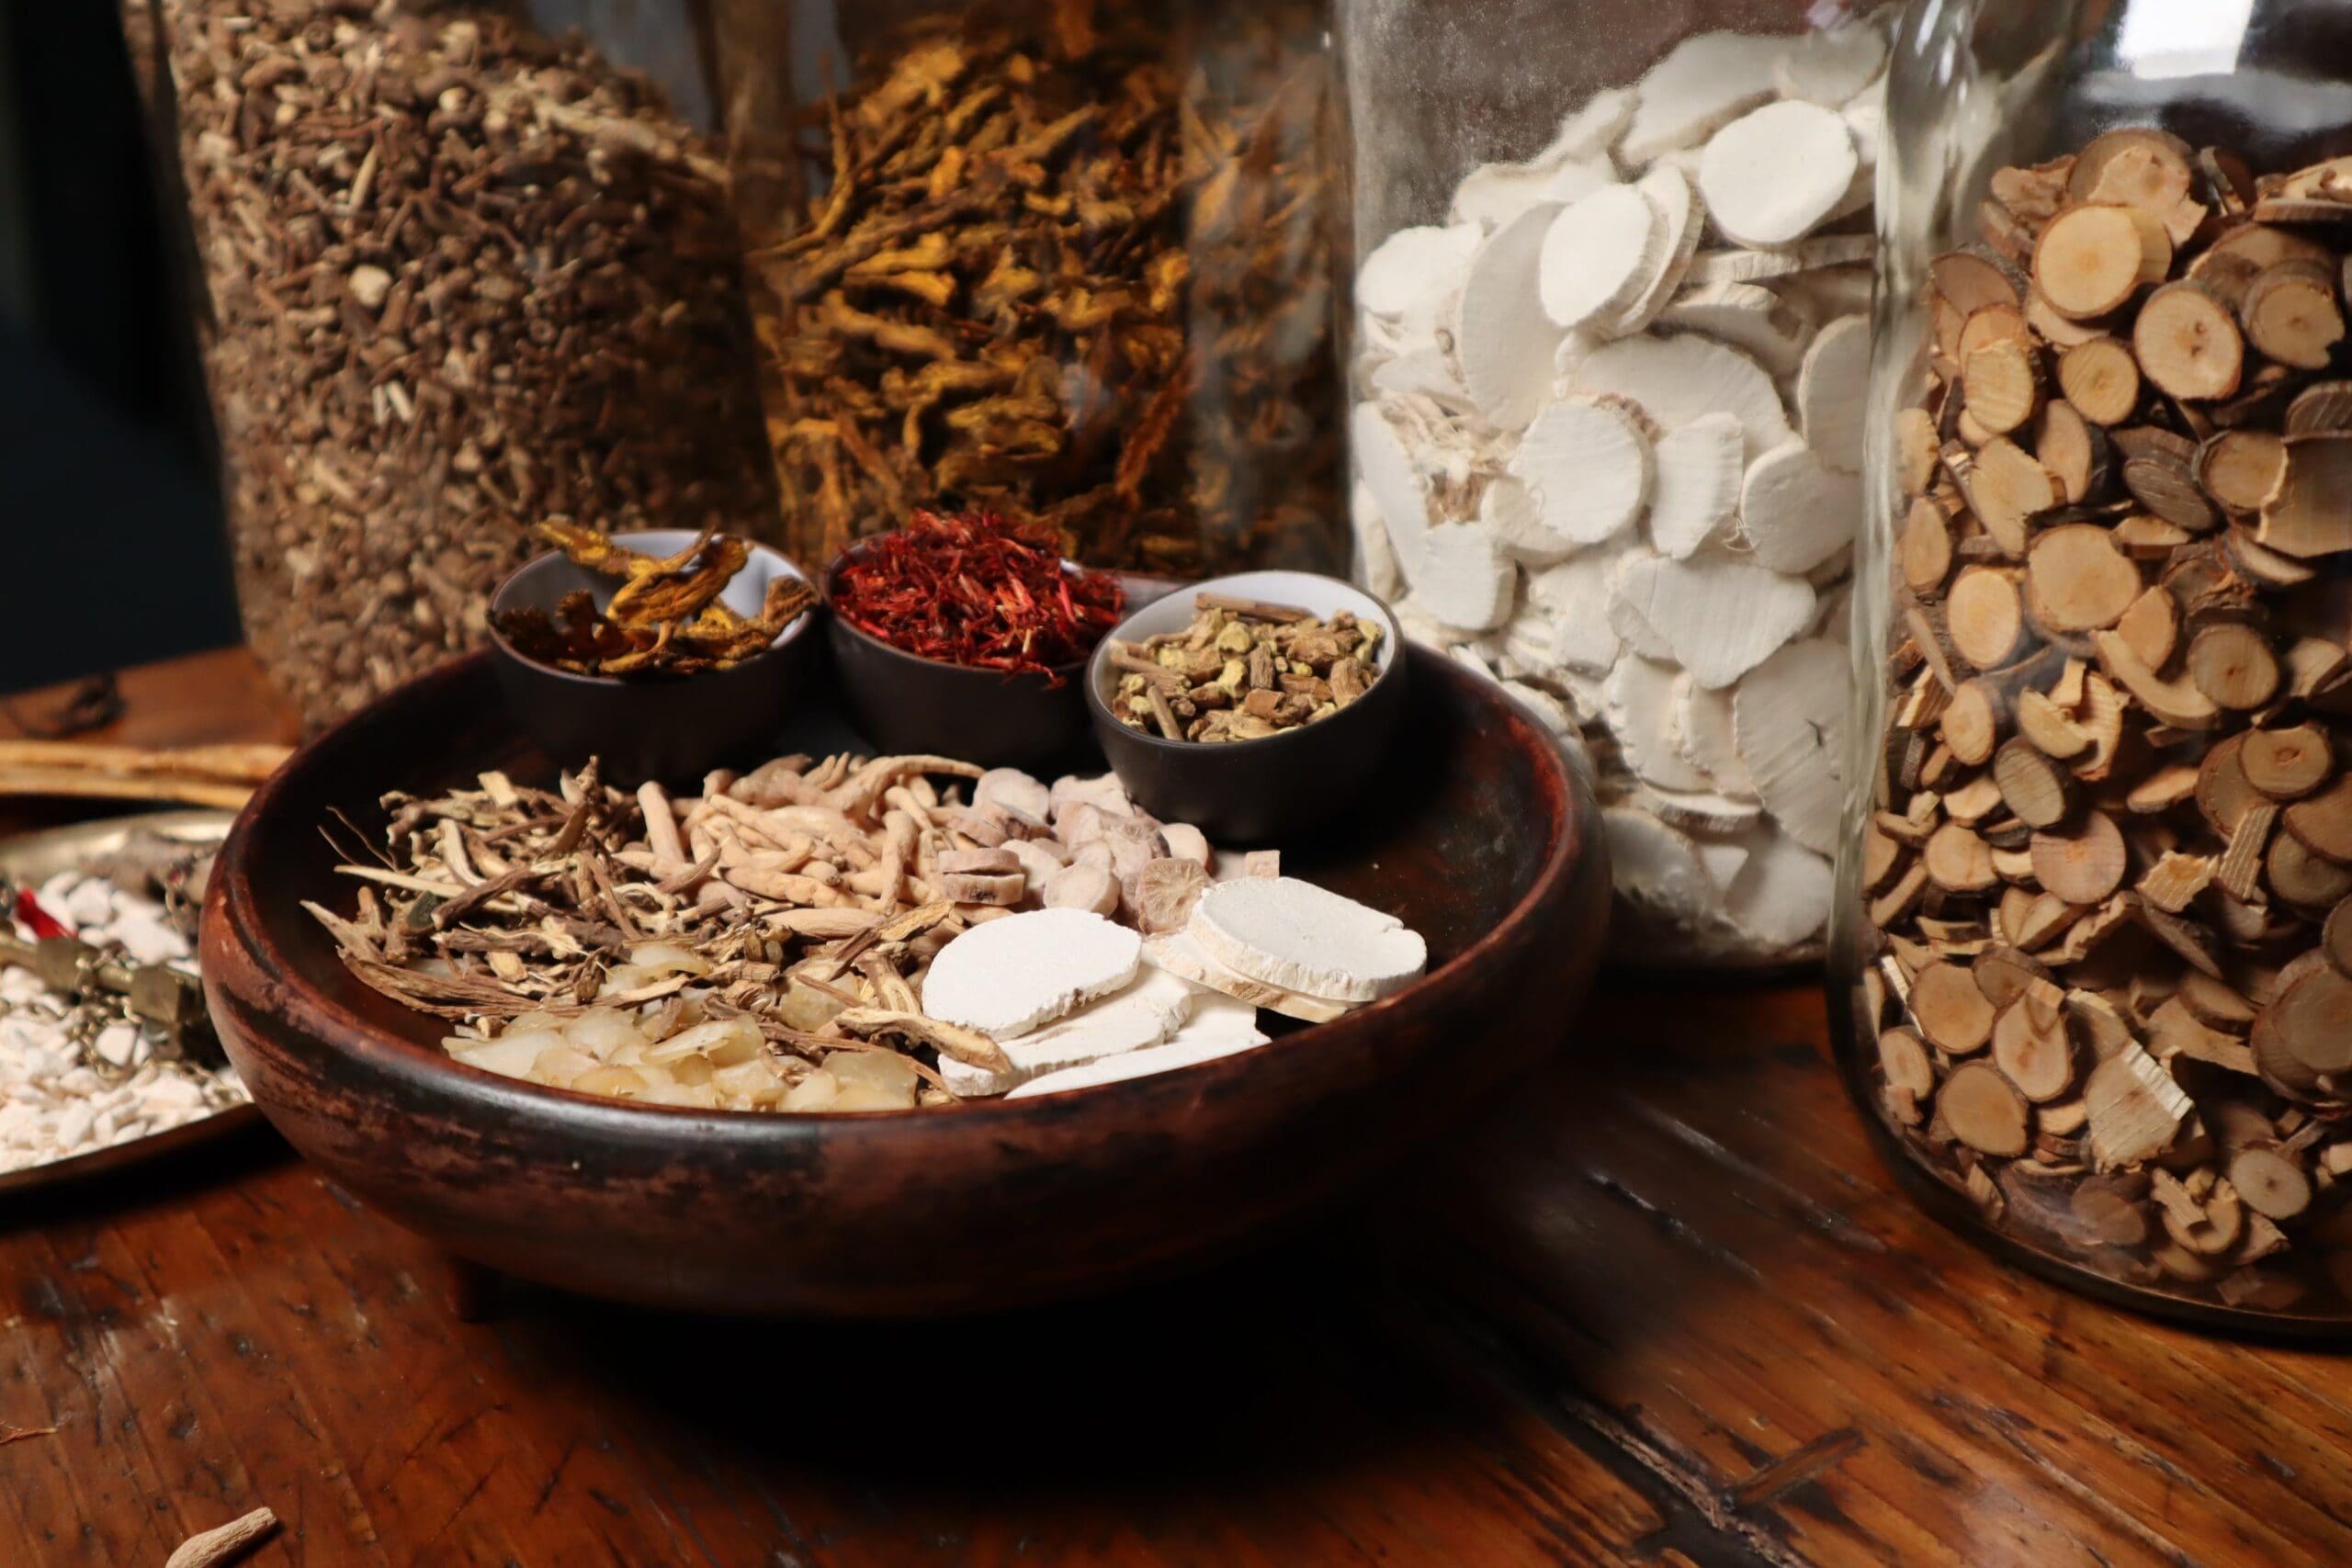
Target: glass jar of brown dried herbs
(2094, 966)
(454, 277)
(1066, 260)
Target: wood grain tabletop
(1663, 1309)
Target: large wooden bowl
(1479, 835)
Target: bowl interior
(1172, 611)
(1466, 822)
(542, 582)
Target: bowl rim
(1099, 708)
(784, 639)
(1055, 675)
(233, 921)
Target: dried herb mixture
(980, 591)
(1245, 669)
(665, 618)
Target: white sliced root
(1700, 812)
(1748, 316)
(1013, 974)
(1667, 190)
(1462, 580)
(1627, 579)
(1788, 718)
(1720, 616)
(1387, 472)
(1704, 82)
(1833, 393)
(1502, 337)
(1831, 66)
(1638, 708)
(1771, 177)
(1781, 894)
(1678, 379)
(1506, 510)
(1796, 510)
(1724, 861)
(1696, 494)
(1865, 116)
(1306, 939)
(1830, 292)
(1754, 267)
(1655, 867)
(1412, 269)
(1590, 130)
(1145, 1063)
(1599, 253)
(1588, 467)
(1703, 722)
(1146, 1010)
(1574, 597)
(1425, 372)
(1375, 551)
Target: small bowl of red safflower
(968, 636)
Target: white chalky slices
(1575, 596)
(1412, 264)
(1640, 711)
(1010, 975)
(1696, 495)
(1506, 510)
(1701, 84)
(1304, 938)
(1184, 956)
(1654, 866)
(1703, 717)
(1770, 176)
(1754, 267)
(1502, 337)
(1678, 207)
(1678, 379)
(1833, 391)
(1788, 718)
(1747, 316)
(1206, 1046)
(1589, 465)
(1720, 616)
(1590, 129)
(1375, 551)
(1462, 578)
(1831, 67)
(1148, 1009)
(1796, 510)
(1397, 493)
(1597, 255)
(1781, 895)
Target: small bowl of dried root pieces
(662, 653)
(1254, 706)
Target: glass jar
(1067, 261)
(453, 270)
(2093, 978)
(1607, 356)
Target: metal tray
(34, 858)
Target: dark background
(109, 518)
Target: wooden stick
(225, 1544)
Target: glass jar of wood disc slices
(2094, 949)
(1607, 349)
(1069, 260)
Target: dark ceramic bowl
(675, 728)
(903, 702)
(1300, 781)
(1479, 836)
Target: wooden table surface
(1665, 1310)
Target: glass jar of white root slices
(2093, 974)
(1610, 339)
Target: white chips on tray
(1608, 437)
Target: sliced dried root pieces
(2101, 379)
(1597, 255)
(1502, 336)
(2286, 764)
(1010, 975)
(1678, 379)
(1669, 191)
(1781, 895)
(2187, 343)
(2305, 517)
(2088, 261)
(1638, 703)
(1300, 937)
(2082, 863)
(1747, 316)
(1704, 82)
(1462, 580)
(2291, 314)
(1952, 1010)
(1788, 718)
(1720, 617)
(2078, 579)
(1223, 1033)
(1795, 510)
(1181, 954)
(1984, 1110)
(1589, 466)
(1773, 174)
(1700, 468)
